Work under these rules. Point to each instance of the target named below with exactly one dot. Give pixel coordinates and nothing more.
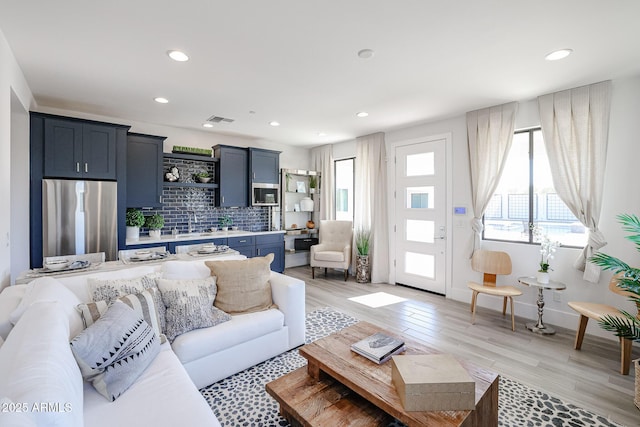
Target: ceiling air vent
(218, 119)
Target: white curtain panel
(489, 134)
(322, 161)
(575, 126)
(371, 201)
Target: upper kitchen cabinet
(264, 166)
(144, 170)
(232, 176)
(79, 149)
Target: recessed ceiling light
(322, 134)
(362, 114)
(207, 125)
(366, 53)
(274, 123)
(558, 54)
(176, 55)
(161, 100)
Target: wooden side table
(539, 327)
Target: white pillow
(176, 270)
(37, 367)
(114, 351)
(49, 289)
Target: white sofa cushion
(189, 305)
(185, 270)
(37, 366)
(163, 395)
(49, 289)
(10, 298)
(241, 328)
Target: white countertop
(29, 275)
(165, 238)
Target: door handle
(78, 167)
(443, 234)
(86, 167)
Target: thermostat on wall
(459, 210)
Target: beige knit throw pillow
(243, 285)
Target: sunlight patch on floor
(379, 299)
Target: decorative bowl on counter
(203, 180)
(55, 265)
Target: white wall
(621, 195)
(11, 81)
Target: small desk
(539, 327)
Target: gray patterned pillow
(190, 305)
(143, 303)
(111, 289)
(113, 352)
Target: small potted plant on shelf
(313, 184)
(202, 177)
(225, 222)
(134, 220)
(363, 237)
(154, 223)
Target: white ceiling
(296, 61)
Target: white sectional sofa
(166, 394)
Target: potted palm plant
(134, 220)
(225, 222)
(625, 325)
(363, 237)
(154, 223)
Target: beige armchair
(334, 247)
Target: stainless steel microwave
(265, 194)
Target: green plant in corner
(134, 218)
(313, 181)
(154, 222)
(363, 236)
(626, 325)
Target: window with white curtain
(526, 197)
(344, 188)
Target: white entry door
(420, 213)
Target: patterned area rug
(241, 400)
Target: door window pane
(420, 164)
(420, 231)
(420, 197)
(420, 264)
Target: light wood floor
(588, 378)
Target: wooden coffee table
(340, 387)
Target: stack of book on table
(378, 347)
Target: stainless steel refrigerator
(79, 217)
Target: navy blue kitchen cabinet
(232, 176)
(264, 166)
(246, 245)
(272, 244)
(144, 170)
(79, 150)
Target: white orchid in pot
(548, 248)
